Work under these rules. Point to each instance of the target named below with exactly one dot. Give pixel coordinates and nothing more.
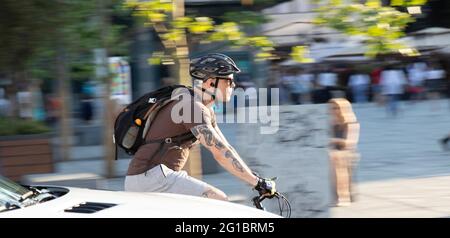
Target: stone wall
(296, 154)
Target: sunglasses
(231, 82)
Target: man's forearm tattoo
(211, 140)
(204, 131)
(236, 164)
(207, 134)
(195, 132)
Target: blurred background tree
(179, 32)
(50, 42)
(379, 25)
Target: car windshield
(11, 193)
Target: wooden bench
(27, 154)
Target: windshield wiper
(32, 197)
(37, 195)
(26, 196)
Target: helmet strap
(213, 96)
(216, 84)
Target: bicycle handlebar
(258, 199)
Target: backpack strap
(147, 114)
(177, 140)
(152, 113)
(115, 153)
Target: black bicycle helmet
(211, 66)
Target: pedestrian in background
(375, 86)
(5, 104)
(306, 80)
(87, 102)
(393, 83)
(343, 148)
(295, 87)
(416, 76)
(434, 82)
(53, 105)
(359, 83)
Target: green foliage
(32, 29)
(379, 25)
(201, 25)
(227, 31)
(10, 126)
(408, 2)
(300, 54)
(24, 27)
(155, 11)
(158, 12)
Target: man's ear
(207, 83)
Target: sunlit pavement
(404, 171)
(408, 197)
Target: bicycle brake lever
(261, 198)
(257, 202)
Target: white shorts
(162, 179)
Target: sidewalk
(397, 198)
(403, 171)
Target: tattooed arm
(225, 155)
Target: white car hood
(129, 204)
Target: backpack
(133, 122)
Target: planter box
(25, 154)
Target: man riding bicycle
(152, 171)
